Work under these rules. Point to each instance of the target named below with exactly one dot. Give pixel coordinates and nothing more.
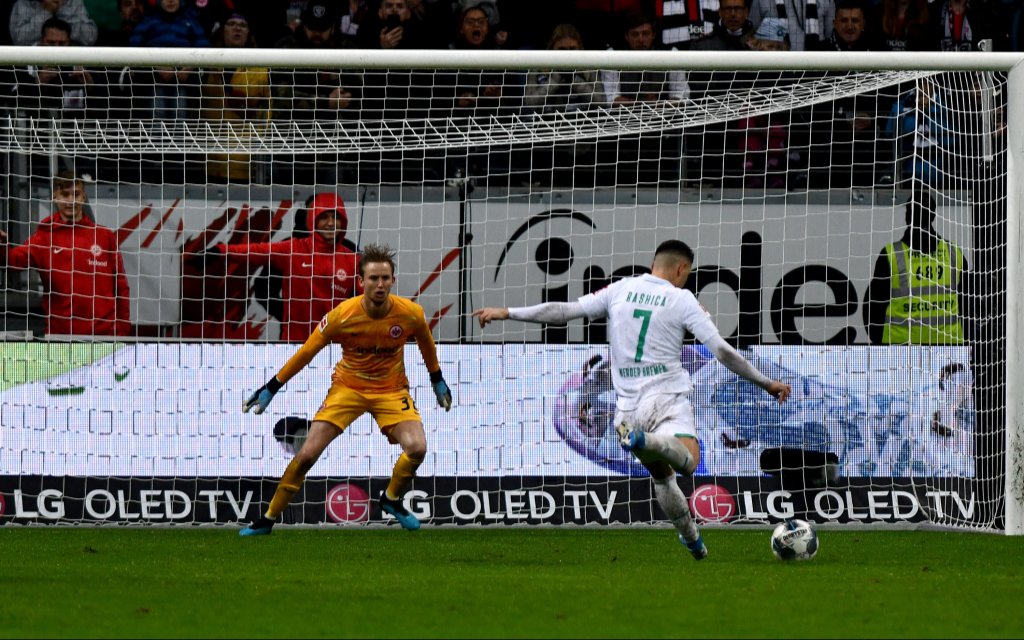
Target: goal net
(850, 237)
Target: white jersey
(647, 317)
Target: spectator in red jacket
(80, 266)
(317, 272)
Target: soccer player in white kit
(647, 317)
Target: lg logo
(712, 503)
(348, 503)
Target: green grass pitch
(507, 582)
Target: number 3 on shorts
(407, 403)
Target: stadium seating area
(868, 137)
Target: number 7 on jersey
(646, 315)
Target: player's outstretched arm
(546, 313)
(259, 400)
(739, 365)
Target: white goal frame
(812, 61)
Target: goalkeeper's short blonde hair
(376, 253)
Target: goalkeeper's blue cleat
(697, 548)
(262, 527)
(408, 521)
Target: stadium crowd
(871, 139)
(892, 25)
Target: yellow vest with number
(924, 307)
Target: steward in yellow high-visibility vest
(916, 291)
(924, 306)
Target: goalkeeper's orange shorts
(343, 405)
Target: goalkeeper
(647, 318)
(372, 329)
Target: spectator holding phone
(394, 93)
(391, 27)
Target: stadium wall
(756, 272)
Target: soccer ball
(794, 540)
(291, 433)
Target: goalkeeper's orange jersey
(373, 349)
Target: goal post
(1015, 328)
(791, 176)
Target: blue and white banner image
(174, 410)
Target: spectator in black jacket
(57, 92)
(849, 29)
(960, 25)
(314, 94)
(477, 93)
(731, 30)
(394, 93)
(306, 95)
(706, 145)
(626, 87)
(845, 133)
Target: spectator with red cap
(317, 272)
(80, 265)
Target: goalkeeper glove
(441, 390)
(263, 396)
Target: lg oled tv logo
(348, 503)
(712, 503)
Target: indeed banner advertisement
(174, 411)
(789, 272)
(535, 500)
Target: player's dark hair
(376, 253)
(676, 248)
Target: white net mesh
(43, 131)
(791, 187)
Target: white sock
(671, 450)
(673, 503)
